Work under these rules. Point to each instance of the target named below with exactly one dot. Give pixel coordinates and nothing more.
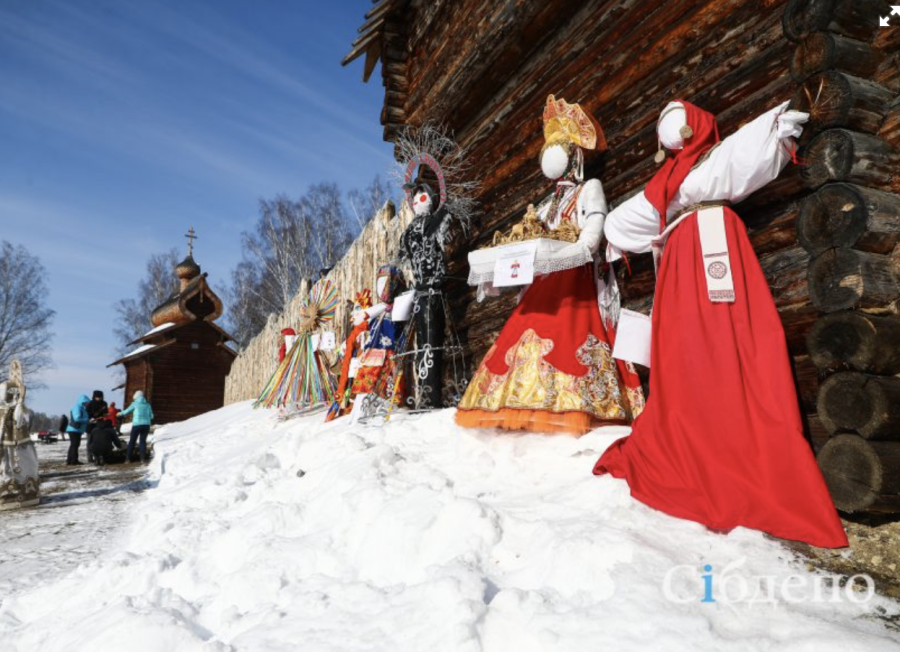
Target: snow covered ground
(417, 536)
(84, 511)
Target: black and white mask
(422, 202)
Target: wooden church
(181, 364)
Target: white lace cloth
(552, 255)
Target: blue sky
(123, 123)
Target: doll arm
(594, 208)
(631, 226)
(747, 160)
(376, 311)
(22, 415)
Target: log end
(829, 156)
(843, 403)
(852, 471)
(839, 339)
(843, 279)
(834, 280)
(814, 54)
(803, 17)
(835, 216)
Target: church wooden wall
(179, 381)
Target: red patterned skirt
(551, 368)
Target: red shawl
(666, 182)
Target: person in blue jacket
(78, 421)
(140, 424)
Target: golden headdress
(568, 124)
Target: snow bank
(416, 536)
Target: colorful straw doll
(304, 380)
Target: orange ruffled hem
(574, 423)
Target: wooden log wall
(376, 244)
(484, 69)
(187, 377)
(846, 68)
(825, 232)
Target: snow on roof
(140, 349)
(159, 328)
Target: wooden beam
(843, 279)
(856, 340)
(836, 99)
(861, 475)
(865, 404)
(847, 215)
(822, 51)
(854, 18)
(842, 155)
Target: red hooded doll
(720, 440)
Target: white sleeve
(592, 212)
(631, 226)
(21, 415)
(746, 161)
(376, 311)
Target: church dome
(187, 269)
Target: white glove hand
(789, 124)
(358, 317)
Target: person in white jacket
(551, 368)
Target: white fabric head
(554, 162)
(138, 394)
(380, 284)
(421, 203)
(673, 119)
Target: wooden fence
(376, 244)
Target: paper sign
(289, 342)
(355, 364)
(314, 339)
(328, 341)
(515, 266)
(633, 338)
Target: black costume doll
(422, 244)
(433, 179)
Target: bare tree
(276, 251)
(246, 314)
(159, 283)
(326, 227)
(292, 240)
(25, 319)
(365, 203)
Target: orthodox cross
(191, 235)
